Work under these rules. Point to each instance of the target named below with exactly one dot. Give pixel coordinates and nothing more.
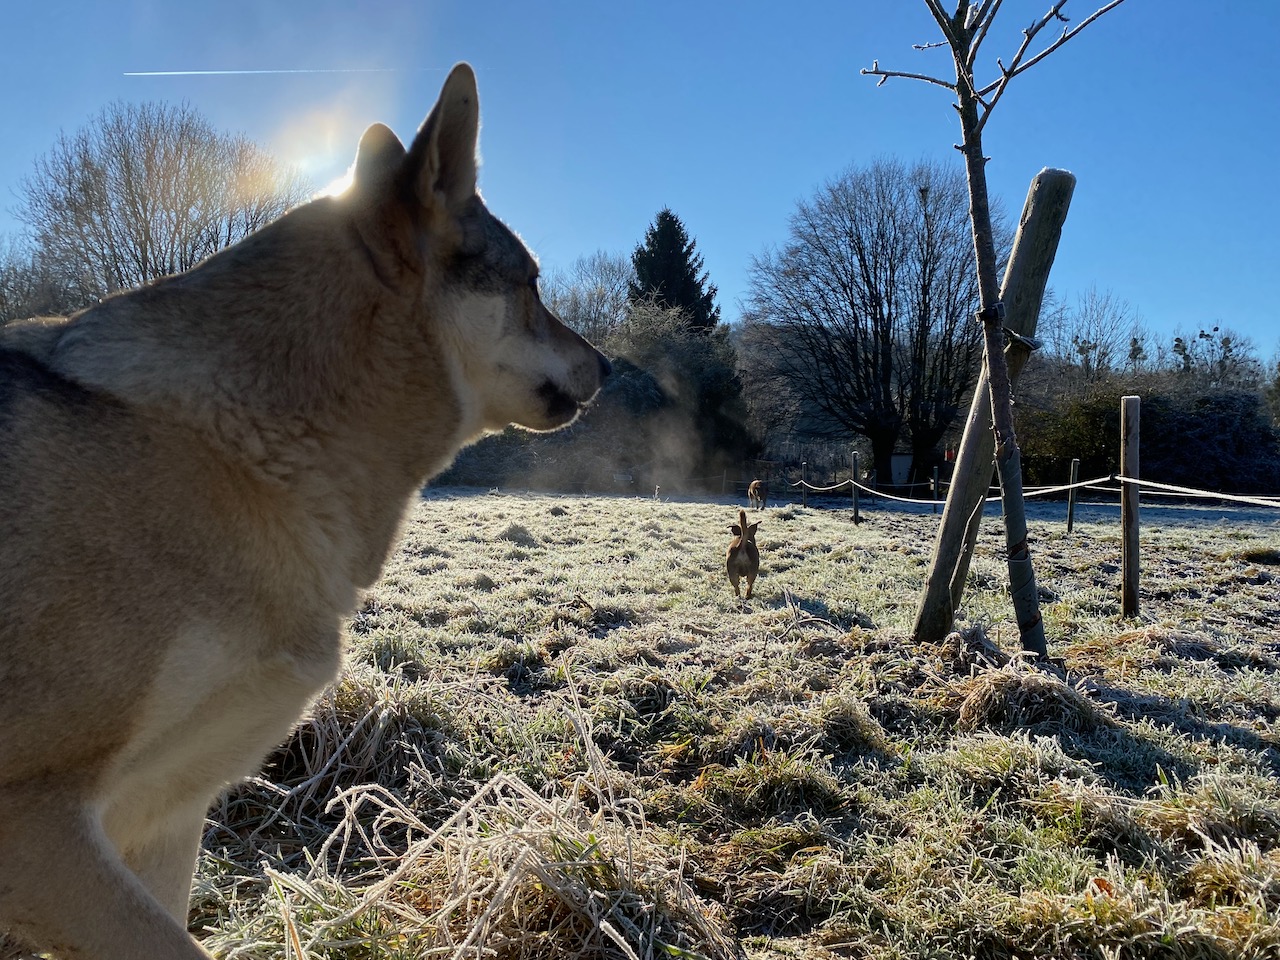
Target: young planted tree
(668, 271)
(963, 31)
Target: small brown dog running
(758, 494)
(743, 556)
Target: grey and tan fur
(742, 559)
(198, 477)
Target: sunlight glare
(340, 185)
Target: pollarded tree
(871, 300)
(146, 190)
(669, 271)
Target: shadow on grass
(1126, 763)
(820, 610)
(1142, 763)
(607, 618)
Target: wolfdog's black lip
(559, 403)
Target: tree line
(858, 327)
(673, 413)
(138, 192)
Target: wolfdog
(196, 480)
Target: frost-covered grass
(561, 736)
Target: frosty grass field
(559, 735)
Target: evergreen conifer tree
(669, 270)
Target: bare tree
(591, 295)
(1271, 387)
(964, 31)
(1102, 335)
(28, 286)
(870, 299)
(17, 281)
(145, 190)
(1216, 359)
(775, 407)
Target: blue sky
(596, 115)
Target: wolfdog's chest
(215, 708)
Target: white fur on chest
(217, 707)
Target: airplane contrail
(235, 73)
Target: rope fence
(1124, 485)
(1094, 485)
(1169, 490)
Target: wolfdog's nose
(606, 367)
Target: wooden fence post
(1071, 494)
(854, 487)
(1130, 411)
(935, 490)
(804, 483)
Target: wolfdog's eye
(533, 283)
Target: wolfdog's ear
(442, 160)
(735, 529)
(378, 159)
(751, 531)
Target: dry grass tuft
(1216, 810)
(1264, 553)
(529, 878)
(849, 728)
(519, 535)
(1240, 875)
(1018, 697)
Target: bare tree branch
(975, 20)
(935, 7)
(1007, 74)
(986, 16)
(884, 75)
(945, 22)
(1029, 35)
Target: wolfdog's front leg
(64, 888)
(164, 858)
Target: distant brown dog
(743, 556)
(758, 494)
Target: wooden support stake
(1071, 494)
(1130, 410)
(804, 483)
(935, 490)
